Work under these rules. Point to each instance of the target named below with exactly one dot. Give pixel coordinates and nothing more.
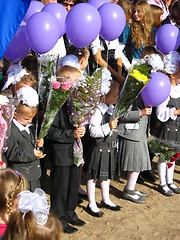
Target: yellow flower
(139, 76)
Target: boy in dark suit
(65, 174)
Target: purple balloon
(167, 38)
(98, 3)
(42, 32)
(157, 90)
(18, 47)
(59, 12)
(113, 21)
(83, 24)
(34, 7)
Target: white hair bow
(28, 96)
(15, 74)
(171, 62)
(69, 60)
(36, 202)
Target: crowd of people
(111, 146)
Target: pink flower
(66, 85)
(56, 85)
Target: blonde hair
(30, 79)
(23, 108)
(23, 229)
(142, 31)
(12, 183)
(67, 72)
(157, 13)
(127, 7)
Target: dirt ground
(157, 219)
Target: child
(12, 183)
(78, 58)
(133, 148)
(65, 174)
(21, 153)
(100, 163)
(19, 77)
(32, 220)
(169, 114)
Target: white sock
(161, 166)
(170, 173)
(91, 186)
(105, 192)
(131, 180)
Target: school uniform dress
(101, 158)
(20, 153)
(170, 124)
(133, 145)
(65, 174)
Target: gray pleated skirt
(133, 156)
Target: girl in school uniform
(101, 159)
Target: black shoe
(69, 229)
(83, 196)
(140, 179)
(77, 222)
(149, 176)
(113, 208)
(94, 214)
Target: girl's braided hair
(12, 183)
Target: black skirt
(101, 160)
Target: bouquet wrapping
(81, 105)
(167, 150)
(5, 124)
(59, 93)
(136, 80)
(47, 75)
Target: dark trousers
(64, 193)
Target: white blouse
(96, 128)
(163, 112)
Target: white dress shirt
(163, 112)
(96, 128)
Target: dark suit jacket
(20, 153)
(61, 139)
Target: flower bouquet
(81, 105)
(136, 80)
(5, 124)
(59, 93)
(47, 75)
(167, 150)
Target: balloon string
(107, 54)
